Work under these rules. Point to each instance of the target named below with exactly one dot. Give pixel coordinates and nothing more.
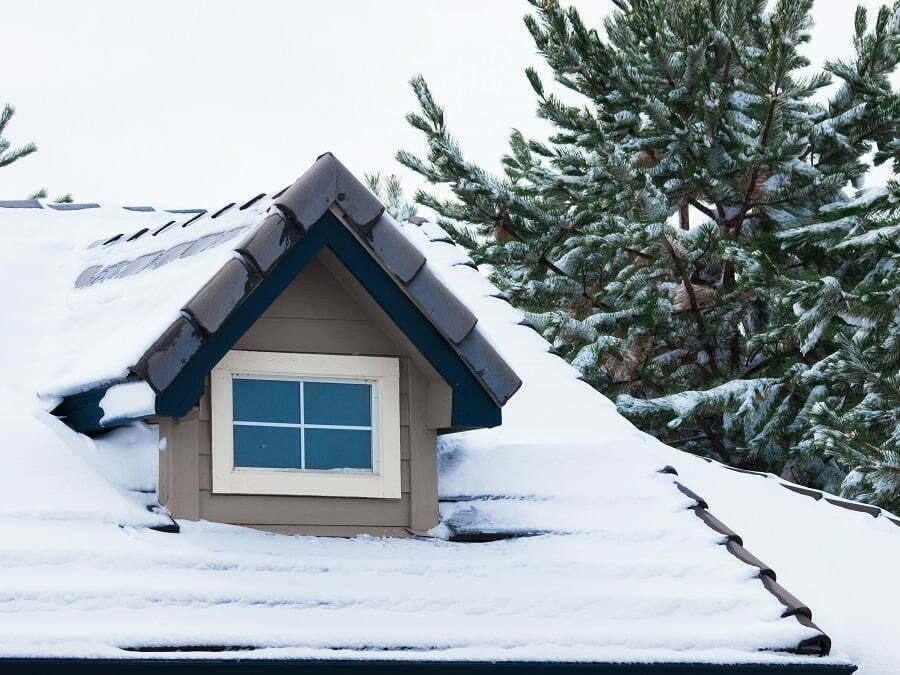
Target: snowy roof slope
(625, 569)
(50, 476)
(117, 312)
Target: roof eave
(150, 666)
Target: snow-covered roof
(160, 305)
(626, 562)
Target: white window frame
(382, 372)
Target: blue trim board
(82, 411)
(472, 407)
(386, 667)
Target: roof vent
(137, 234)
(252, 201)
(222, 210)
(191, 220)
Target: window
(306, 424)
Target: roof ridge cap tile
(817, 645)
(328, 182)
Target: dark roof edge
(262, 666)
(817, 645)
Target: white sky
(186, 103)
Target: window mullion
(302, 430)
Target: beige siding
(323, 311)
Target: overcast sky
(185, 103)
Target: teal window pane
(336, 403)
(266, 447)
(266, 400)
(338, 449)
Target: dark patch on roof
(222, 210)
(196, 217)
(96, 274)
(185, 210)
(153, 665)
(485, 536)
(171, 254)
(87, 276)
(138, 208)
(669, 469)
(139, 264)
(112, 239)
(252, 201)
(73, 207)
(20, 204)
(109, 272)
(169, 649)
(162, 229)
(137, 234)
(171, 527)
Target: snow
(130, 399)
(82, 337)
(841, 562)
(48, 474)
(623, 572)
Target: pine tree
(652, 237)
(852, 317)
(8, 154)
(390, 191)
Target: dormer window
(306, 424)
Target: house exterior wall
(324, 311)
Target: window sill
(307, 484)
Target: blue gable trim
(472, 407)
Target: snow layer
(843, 563)
(129, 399)
(624, 571)
(48, 475)
(56, 339)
